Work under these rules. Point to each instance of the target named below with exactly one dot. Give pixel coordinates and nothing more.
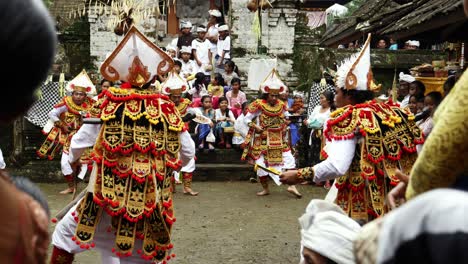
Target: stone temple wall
(277, 36)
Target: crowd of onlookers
(384, 43)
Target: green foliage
(353, 6)
(47, 3)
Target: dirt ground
(227, 223)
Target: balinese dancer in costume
(174, 86)
(64, 120)
(367, 143)
(266, 140)
(127, 210)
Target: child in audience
(240, 129)
(236, 97)
(205, 129)
(224, 119)
(198, 89)
(216, 89)
(230, 72)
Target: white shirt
(222, 117)
(202, 50)
(187, 69)
(340, 155)
(224, 44)
(55, 113)
(404, 103)
(240, 126)
(213, 32)
(2, 161)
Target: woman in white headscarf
(327, 234)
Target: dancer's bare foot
(189, 191)
(263, 193)
(292, 189)
(68, 190)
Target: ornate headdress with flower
(273, 84)
(355, 73)
(136, 60)
(174, 84)
(82, 83)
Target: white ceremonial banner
(258, 71)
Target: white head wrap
(186, 49)
(186, 24)
(413, 43)
(328, 231)
(201, 29)
(406, 78)
(223, 28)
(214, 12)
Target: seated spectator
(431, 102)
(230, 72)
(236, 97)
(412, 44)
(393, 44)
(216, 89)
(198, 89)
(403, 88)
(351, 45)
(172, 51)
(205, 129)
(417, 88)
(382, 44)
(188, 66)
(240, 129)
(415, 104)
(449, 83)
(224, 119)
(327, 234)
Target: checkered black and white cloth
(314, 95)
(50, 96)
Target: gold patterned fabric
(388, 142)
(271, 142)
(135, 153)
(183, 106)
(444, 156)
(57, 139)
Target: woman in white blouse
(316, 121)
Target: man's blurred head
(29, 39)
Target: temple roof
(400, 19)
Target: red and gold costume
(139, 144)
(57, 139)
(367, 143)
(271, 142)
(138, 147)
(65, 120)
(176, 86)
(388, 138)
(270, 147)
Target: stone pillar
(278, 33)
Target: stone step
(223, 172)
(220, 156)
(49, 171)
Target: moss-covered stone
(238, 52)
